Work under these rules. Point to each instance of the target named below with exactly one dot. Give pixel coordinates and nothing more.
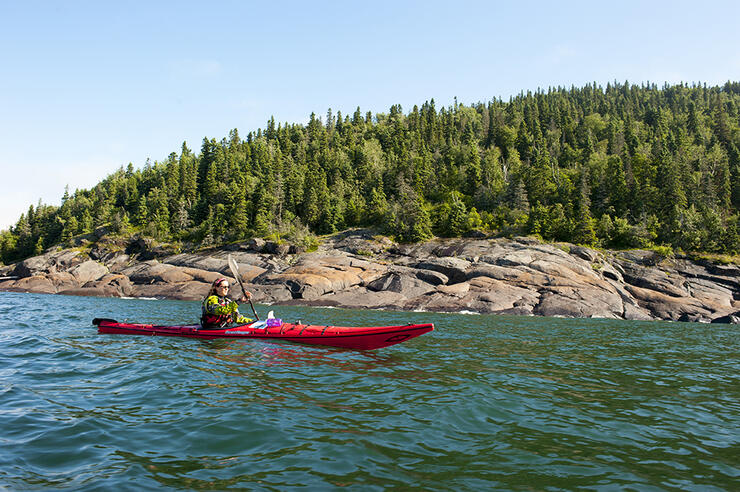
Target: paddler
(218, 310)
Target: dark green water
(483, 402)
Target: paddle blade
(234, 267)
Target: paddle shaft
(235, 271)
(244, 291)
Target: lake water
(481, 403)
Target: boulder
(453, 268)
(118, 262)
(317, 274)
(113, 285)
(579, 303)
(513, 258)
(456, 290)
(584, 253)
(51, 262)
(88, 271)
(269, 294)
(489, 295)
(405, 285)
(145, 272)
(432, 277)
(63, 281)
(565, 269)
(203, 275)
(436, 302)
(710, 293)
(65, 259)
(522, 276)
(39, 284)
(174, 276)
(8, 285)
(663, 306)
(312, 282)
(32, 266)
(654, 279)
(608, 271)
(249, 272)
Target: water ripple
(481, 403)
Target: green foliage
(409, 218)
(664, 251)
(451, 216)
(623, 166)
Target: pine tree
(142, 212)
(654, 165)
(473, 174)
(583, 223)
(86, 222)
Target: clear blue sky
(89, 86)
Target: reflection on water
(482, 402)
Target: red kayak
(358, 338)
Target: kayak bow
(358, 338)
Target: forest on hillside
(624, 166)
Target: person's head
(220, 287)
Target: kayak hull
(356, 338)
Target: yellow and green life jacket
(217, 312)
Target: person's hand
(246, 296)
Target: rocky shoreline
(357, 269)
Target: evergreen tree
(653, 165)
(583, 223)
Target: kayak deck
(358, 338)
